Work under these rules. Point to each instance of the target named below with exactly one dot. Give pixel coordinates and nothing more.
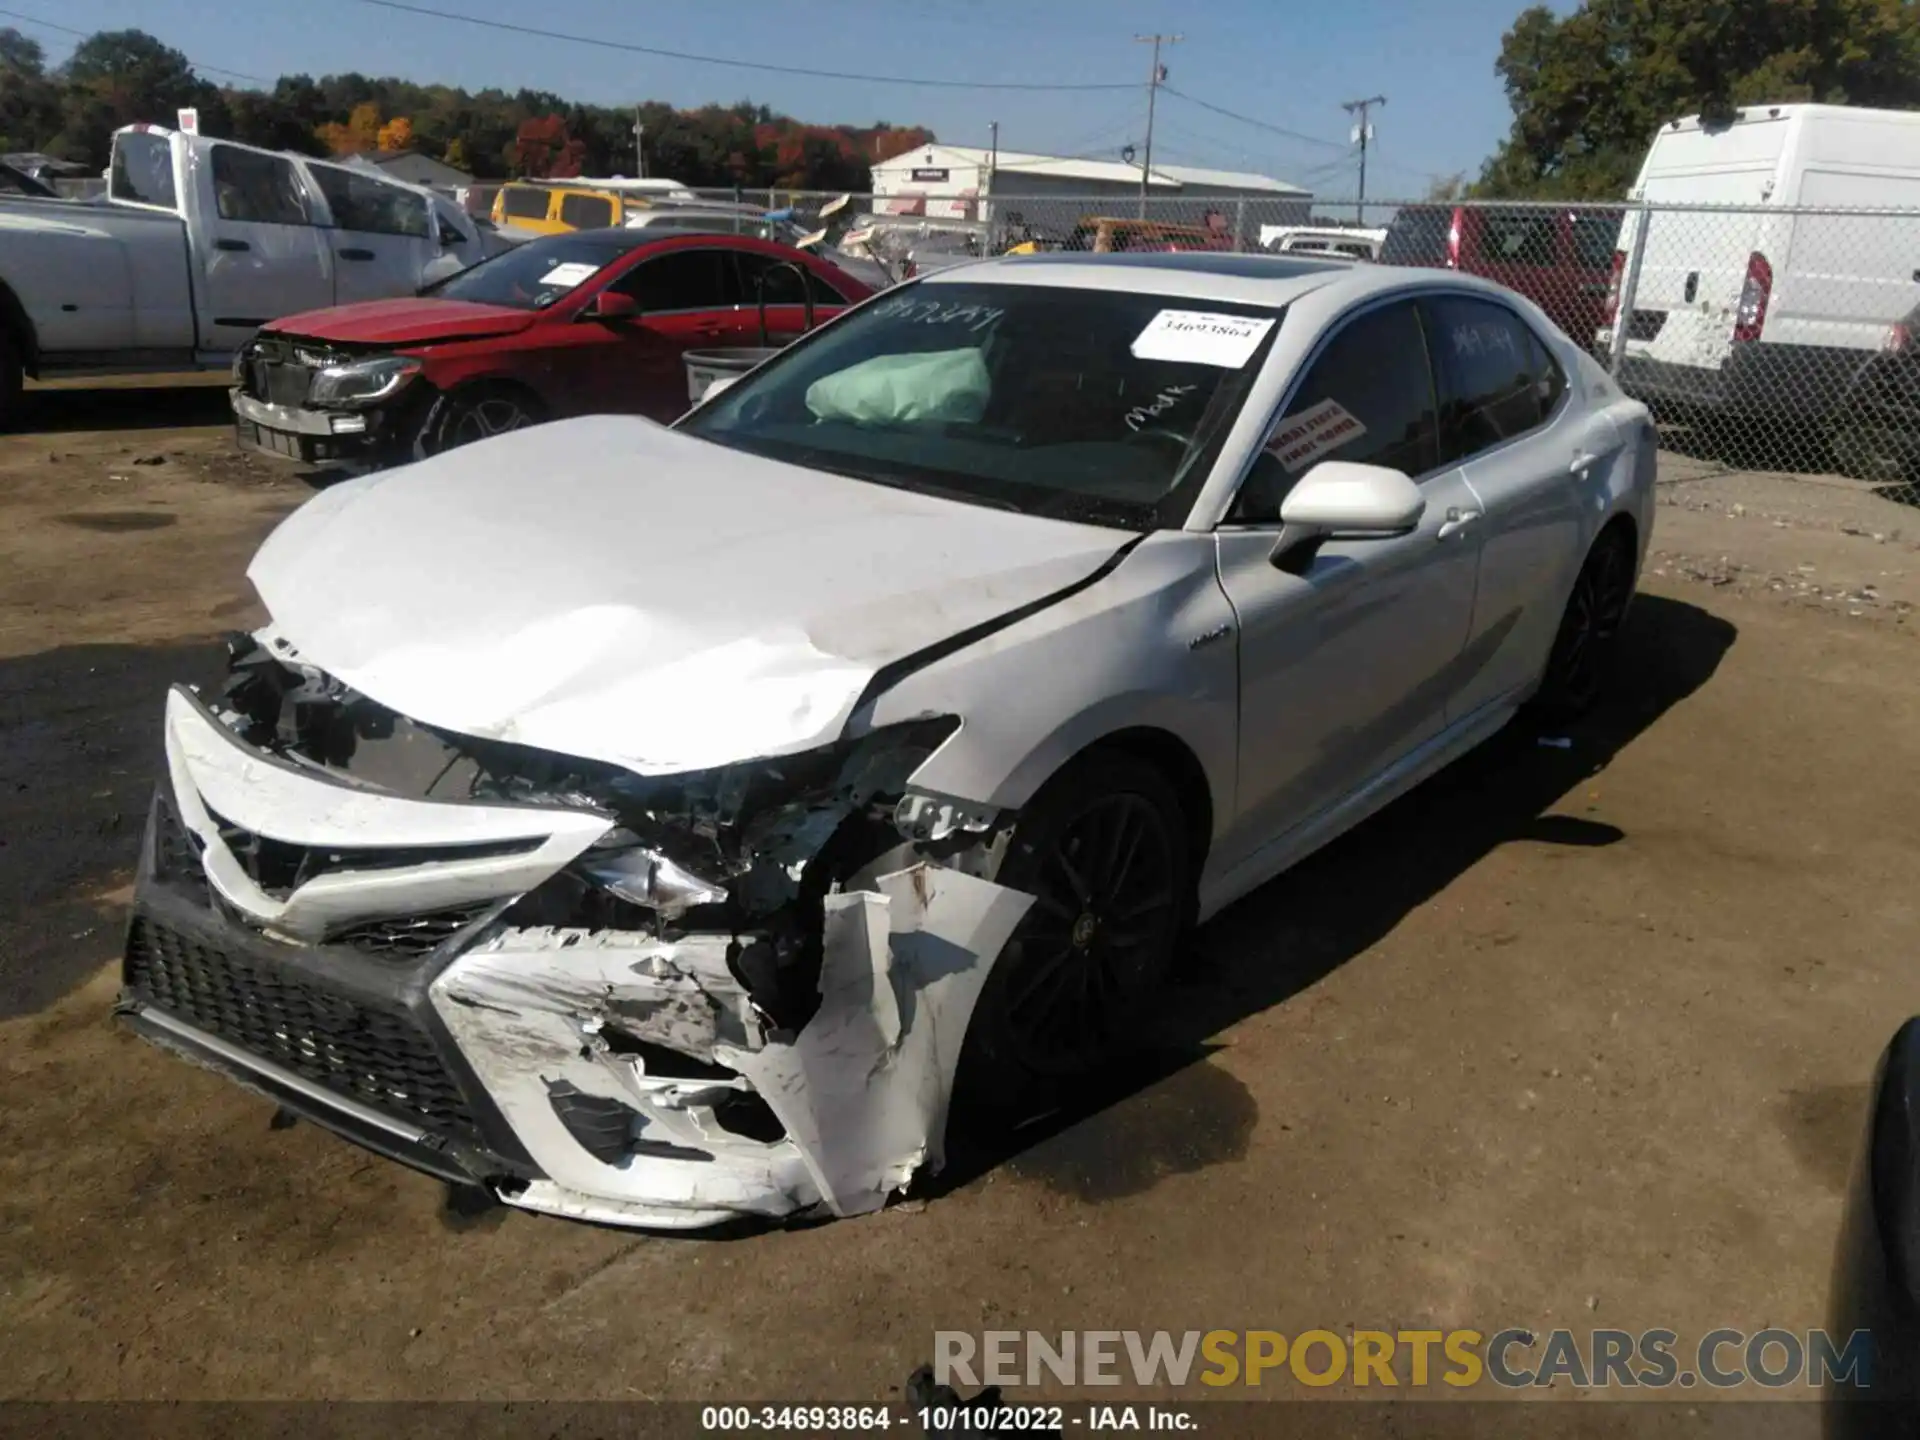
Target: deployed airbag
(941, 385)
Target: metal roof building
(955, 180)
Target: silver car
(657, 825)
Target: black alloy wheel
(1590, 629)
(1103, 851)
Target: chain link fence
(1764, 338)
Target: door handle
(1458, 522)
(356, 254)
(1595, 289)
(1582, 462)
(231, 245)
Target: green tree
(120, 77)
(1588, 90)
(29, 99)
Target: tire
(1589, 633)
(479, 412)
(12, 383)
(1103, 848)
(1866, 453)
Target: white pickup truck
(198, 243)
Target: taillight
(909, 270)
(1751, 317)
(1611, 310)
(1899, 338)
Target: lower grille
(381, 1059)
(176, 852)
(277, 384)
(408, 937)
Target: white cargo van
(1759, 309)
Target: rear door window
(782, 286)
(695, 279)
(524, 202)
(1496, 378)
(586, 212)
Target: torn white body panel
(861, 1090)
(218, 779)
(557, 588)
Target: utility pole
(992, 210)
(1156, 77)
(640, 142)
(1365, 133)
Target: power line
(1292, 134)
(89, 34)
(601, 43)
(1249, 120)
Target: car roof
(1250, 278)
(1254, 279)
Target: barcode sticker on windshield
(568, 274)
(1302, 438)
(1199, 337)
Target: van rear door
(1696, 260)
(1847, 277)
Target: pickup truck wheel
(12, 383)
(1103, 851)
(480, 413)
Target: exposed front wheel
(1103, 850)
(479, 414)
(1589, 633)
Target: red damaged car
(592, 321)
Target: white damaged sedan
(656, 826)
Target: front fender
(1148, 646)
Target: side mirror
(612, 305)
(1341, 500)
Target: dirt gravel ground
(1573, 1036)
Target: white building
(961, 181)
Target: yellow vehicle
(1104, 235)
(555, 209)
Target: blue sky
(1287, 62)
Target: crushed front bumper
(603, 1075)
(351, 439)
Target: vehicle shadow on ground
(80, 747)
(1171, 1114)
(167, 405)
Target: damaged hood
(611, 589)
(412, 320)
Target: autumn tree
(543, 150)
(1588, 90)
(396, 134)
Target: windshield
(1090, 405)
(530, 276)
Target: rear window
(142, 170)
(1595, 237)
(524, 202)
(1517, 237)
(1417, 237)
(586, 212)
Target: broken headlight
(642, 875)
(363, 382)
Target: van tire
(12, 383)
